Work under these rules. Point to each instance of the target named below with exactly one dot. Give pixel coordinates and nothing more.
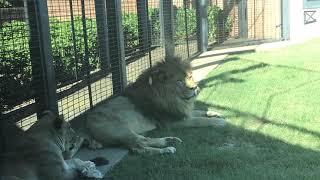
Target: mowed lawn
(271, 101)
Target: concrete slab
(113, 155)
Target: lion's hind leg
(146, 145)
(162, 142)
(152, 150)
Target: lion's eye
(180, 83)
(71, 147)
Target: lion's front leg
(85, 168)
(208, 113)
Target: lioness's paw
(211, 113)
(168, 150)
(93, 144)
(172, 140)
(88, 169)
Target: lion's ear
(58, 122)
(157, 76)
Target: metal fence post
(186, 25)
(116, 41)
(102, 33)
(202, 23)
(166, 23)
(285, 19)
(44, 83)
(144, 35)
(86, 50)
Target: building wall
(298, 29)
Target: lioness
(38, 153)
(163, 96)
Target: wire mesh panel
(191, 26)
(157, 50)
(135, 26)
(16, 87)
(180, 29)
(141, 30)
(79, 41)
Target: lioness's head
(175, 75)
(61, 132)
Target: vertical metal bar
(254, 19)
(149, 34)
(2, 134)
(116, 45)
(285, 19)
(74, 39)
(202, 23)
(186, 25)
(86, 52)
(102, 33)
(43, 75)
(144, 39)
(263, 19)
(243, 19)
(166, 23)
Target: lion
(40, 152)
(163, 96)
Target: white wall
(299, 30)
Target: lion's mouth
(189, 97)
(194, 94)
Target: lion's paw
(211, 113)
(168, 150)
(88, 169)
(172, 140)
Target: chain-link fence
(69, 55)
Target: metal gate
(239, 22)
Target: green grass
(272, 104)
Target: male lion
(37, 154)
(163, 96)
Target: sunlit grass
(271, 101)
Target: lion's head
(54, 127)
(166, 90)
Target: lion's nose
(196, 89)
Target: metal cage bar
(116, 42)
(40, 46)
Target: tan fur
(38, 152)
(163, 96)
